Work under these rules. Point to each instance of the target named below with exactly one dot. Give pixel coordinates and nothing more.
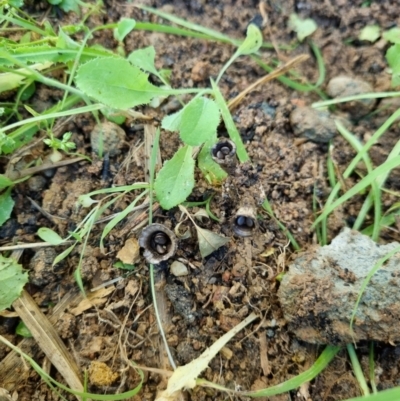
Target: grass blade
(230, 125)
(319, 365)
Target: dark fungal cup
(159, 243)
(245, 222)
(224, 153)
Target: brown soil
(223, 289)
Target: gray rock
(319, 293)
(41, 267)
(343, 86)
(107, 137)
(315, 125)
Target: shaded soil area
(221, 290)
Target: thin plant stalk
(159, 323)
(372, 367)
(357, 370)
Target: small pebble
(200, 71)
(108, 137)
(313, 124)
(343, 86)
(178, 269)
(36, 183)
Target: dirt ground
(221, 290)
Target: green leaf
(116, 83)
(144, 59)
(392, 35)
(6, 206)
(7, 144)
(22, 330)
(303, 27)
(173, 121)
(199, 122)
(70, 5)
(370, 33)
(5, 181)
(124, 266)
(113, 115)
(124, 27)
(209, 241)
(63, 254)
(48, 235)
(252, 43)
(212, 171)
(16, 3)
(12, 281)
(11, 80)
(393, 58)
(175, 181)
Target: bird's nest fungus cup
(224, 152)
(159, 243)
(244, 222)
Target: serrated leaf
(124, 27)
(50, 236)
(253, 41)
(175, 180)
(6, 206)
(5, 181)
(392, 35)
(209, 241)
(199, 121)
(303, 27)
(12, 281)
(370, 33)
(116, 83)
(144, 59)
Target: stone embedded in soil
(178, 269)
(319, 293)
(181, 301)
(36, 183)
(315, 125)
(42, 271)
(107, 137)
(343, 86)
